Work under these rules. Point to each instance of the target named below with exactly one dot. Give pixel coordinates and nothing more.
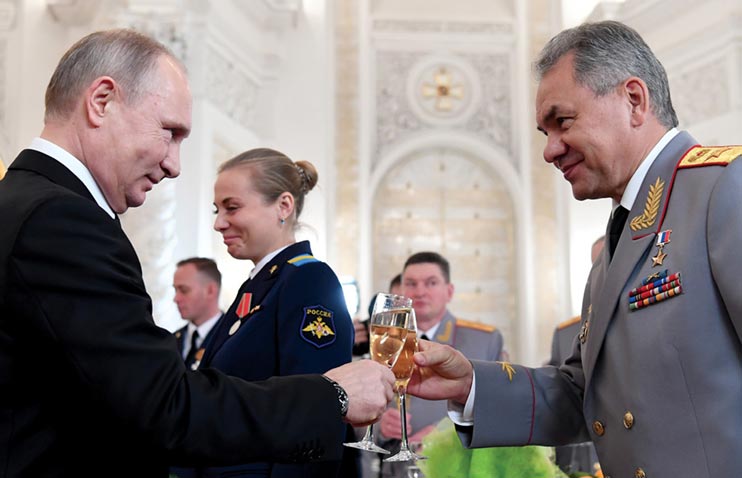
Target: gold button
(598, 428)
(639, 473)
(628, 420)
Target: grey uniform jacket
(580, 456)
(657, 389)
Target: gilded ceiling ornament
(446, 93)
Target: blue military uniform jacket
(291, 318)
(655, 380)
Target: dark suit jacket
(89, 385)
(289, 297)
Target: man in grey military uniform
(426, 279)
(577, 457)
(656, 378)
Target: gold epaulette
(710, 156)
(569, 322)
(470, 324)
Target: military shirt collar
(636, 181)
(265, 260)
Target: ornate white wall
(355, 87)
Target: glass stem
(367, 436)
(403, 409)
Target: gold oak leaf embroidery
(508, 369)
(651, 207)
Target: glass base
(367, 446)
(406, 455)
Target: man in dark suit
(90, 385)
(655, 377)
(197, 282)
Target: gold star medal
(662, 239)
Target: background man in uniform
(579, 457)
(426, 279)
(656, 380)
(197, 283)
(90, 385)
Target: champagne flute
(402, 372)
(389, 328)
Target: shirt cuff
(464, 415)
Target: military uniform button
(639, 473)
(628, 420)
(598, 428)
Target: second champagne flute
(389, 328)
(402, 372)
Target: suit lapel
(644, 221)
(32, 160)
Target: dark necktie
(424, 337)
(191, 357)
(617, 224)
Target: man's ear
(450, 290)
(98, 98)
(637, 93)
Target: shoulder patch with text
(318, 326)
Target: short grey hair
(129, 57)
(605, 54)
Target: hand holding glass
(389, 328)
(402, 372)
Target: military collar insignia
(445, 336)
(651, 207)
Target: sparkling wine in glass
(389, 328)
(402, 372)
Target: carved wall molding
(74, 12)
(449, 200)
(416, 26)
(8, 13)
(398, 116)
(230, 89)
(702, 93)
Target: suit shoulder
(699, 156)
(567, 323)
(474, 325)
